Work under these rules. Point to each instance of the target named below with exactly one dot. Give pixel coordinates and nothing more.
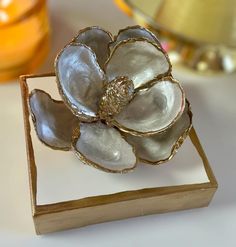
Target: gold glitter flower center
(117, 95)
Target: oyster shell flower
(120, 102)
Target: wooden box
(66, 194)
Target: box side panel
(68, 219)
(49, 219)
(29, 146)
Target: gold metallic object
(200, 35)
(85, 211)
(118, 94)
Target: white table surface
(214, 106)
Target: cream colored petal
(54, 122)
(138, 59)
(98, 40)
(152, 110)
(134, 32)
(104, 148)
(161, 147)
(80, 80)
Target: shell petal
(53, 121)
(98, 40)
(104, 148)
(152, 110)
(138, 59)
(80, 80)
(134, 32)
(161, 147)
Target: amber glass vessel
(24, 36)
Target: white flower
(120, 102)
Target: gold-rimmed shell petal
(53, 121)
(161, 147)
(152, 110)
(104, 148)
(98, 40)
(139, 59)
(134, 32)
(80, 80)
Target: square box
(62, 196)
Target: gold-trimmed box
(64, 215)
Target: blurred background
(33, 31)
(200, 37)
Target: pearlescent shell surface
(80, 79)
(134, 32)
(139, 60)
(98, 40)
(104, 146)
(154, 109)
(54, 122)
(159, 147)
